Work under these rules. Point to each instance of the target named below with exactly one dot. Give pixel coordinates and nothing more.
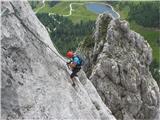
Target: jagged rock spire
(120, 70)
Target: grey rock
(120, 70)
(35, 79)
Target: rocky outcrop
(120, 62)
(35, 79)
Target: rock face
(119, 64)
(35, 79)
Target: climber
(75, 64)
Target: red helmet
(69, 54)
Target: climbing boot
(73, 84)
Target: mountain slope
(35, 79)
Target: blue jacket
(76, 60)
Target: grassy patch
(124, 12)
(42, 9)
(81, 13)
(63, 8)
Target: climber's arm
(72, 65)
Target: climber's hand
(67, 63)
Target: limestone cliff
(119, 69)
(35, 79)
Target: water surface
(101, 8)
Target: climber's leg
(74, 73)
(73, 80)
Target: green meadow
(79, 11)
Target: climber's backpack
(81, 60)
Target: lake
(99, 8)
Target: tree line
(145, 13)
(64, 33)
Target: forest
(145, 13)
(64, 34)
